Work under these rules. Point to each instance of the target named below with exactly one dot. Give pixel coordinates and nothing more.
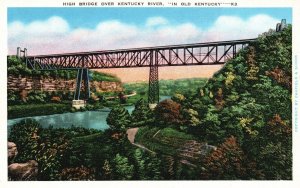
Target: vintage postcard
(181, 93)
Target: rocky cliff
(19, 83)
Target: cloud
(52, 26)
(55, 35)
(232, 27)
(155, 21)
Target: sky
(61, 30)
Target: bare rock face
(39, 83)
(23, 84)
(23, 171)
(12, 151)
(105, 86)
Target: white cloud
(232, 27)
(155, 21)
(52, 26)
(54, 35)
(15, 29)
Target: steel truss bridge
(210, 53)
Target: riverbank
(29, 110)
(91, 119)
(18, 111)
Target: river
(87, 119)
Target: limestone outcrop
(12, 151)
(19, 83)
(23, 171)
(20, 171)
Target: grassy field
(165, 141)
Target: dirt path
(129, 95)
(131, 136)
(156, 133)
(143, 147)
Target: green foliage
(118, 118)
(142, 114)
(47, 146)
(78, 173)
(18, 67)
(227, 162)
(179, 98)
(107, 170)
(18, 111)
(36, 97)
(92, 151)
(167, 113)
(25, 135)
(100, 76)
(191, 116)
(140, 164)
(13, 97)
(123, 170)
(165, 141)
(168, 87)
(250, 99)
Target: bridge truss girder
(179, 55)
(213, 53)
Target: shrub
(167, 113)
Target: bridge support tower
(82, 83)
(153, 94)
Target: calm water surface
(87, 119)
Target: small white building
(78, 104)
(152, 106)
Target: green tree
(140, 164)
(179, 98)
(118, 118)
(142, 115)
(153, 167)
(122, 169)
(275, 149)
(191, 117)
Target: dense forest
(238, 126)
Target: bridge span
(173, 55)
(210, 53)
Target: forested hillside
(246, 110)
